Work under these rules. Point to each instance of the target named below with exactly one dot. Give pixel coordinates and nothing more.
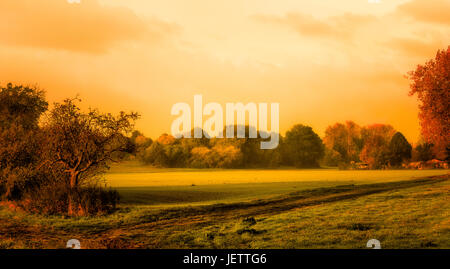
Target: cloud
(325, 79)
(85, 27)
(431, 11)
(416, 48)
(340, 27)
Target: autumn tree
(20, 110)
(343, 142)
(155, 155)
(399, 149)
(140, 141)
(423, 152)
(376, 139)
(81, 145)
(219, 156)
(431, 83)
(22, 106)
(226, 156)
(252, 154)
(332, 158)
(302, 147)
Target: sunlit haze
(324, 61)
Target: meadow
(282, 208)
(144, 185)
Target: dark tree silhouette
(302, 147)
(399, 149)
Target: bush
(15, 181)
(47, 200)
(54, 200)
(96, 201)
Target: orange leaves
(431, 83)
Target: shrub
(47, 200)
(54, 200)
(15, 181)
(96, 200)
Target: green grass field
(140, 185)
(284, 208)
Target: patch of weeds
(358, 226)
(249, 231)
(210, 236)
(8, 244)
(244, 227)
(249, 221)
(428, 244)
(115, 243)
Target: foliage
(54, 199)
(53, 168)
(423, 152)
(220, 156)
(80, 144)
(303, 147)
(155, 155)
(20, 110)
(345, 146)
(332, 157)
(376, 139)
(167, 151)
(399, 150)
(344, 143)
(21, 106)
(431, 83)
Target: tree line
(166, 151)
(345, 145)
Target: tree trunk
(72, 207)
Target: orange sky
(324, 61)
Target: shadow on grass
(287, 202)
